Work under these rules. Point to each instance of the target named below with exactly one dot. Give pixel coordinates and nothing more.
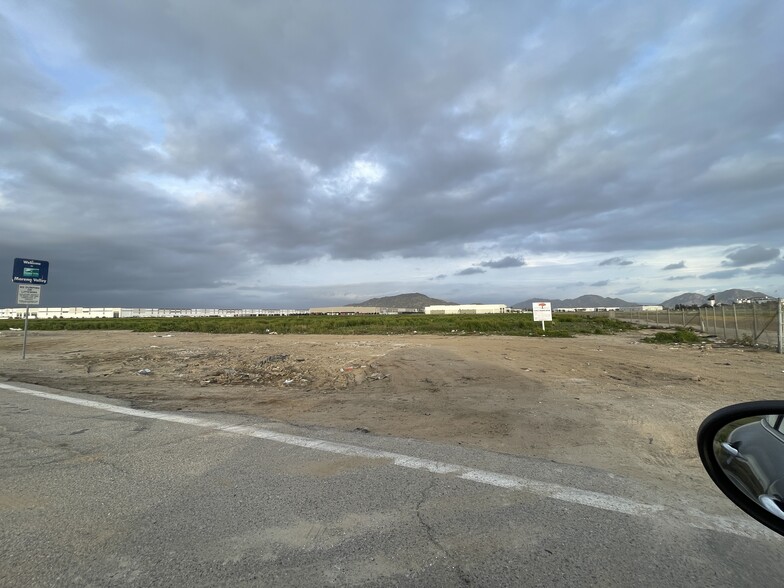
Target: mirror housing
(730, 447)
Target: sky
(294, 153)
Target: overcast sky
(193, 153)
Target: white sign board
(543, 311)
(28, 295)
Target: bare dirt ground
(609, 402)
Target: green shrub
(677, 336)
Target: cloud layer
(176, 151)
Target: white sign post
(27, 295)
(543, 311)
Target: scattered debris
(144, 372)
(273, 359)
(362, 430)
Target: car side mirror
(742, 449)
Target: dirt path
(604, 401)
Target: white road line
(556, 491)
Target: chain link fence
(754, 324)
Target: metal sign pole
(24, 341)
(30, 274)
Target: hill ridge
(409, 300)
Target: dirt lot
(610, 402)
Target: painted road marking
(579, 496)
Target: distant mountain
(725, 297)
(413, 300)
(586, 301)
(687, 299)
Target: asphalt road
(96, 494)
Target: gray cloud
(774, 269)
(508, 261)
(722, 274)
(750, 256)
(616, 261)
(469, 271)
(427, 126)
(674, 266)
(600, 283)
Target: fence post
(724, 322)
(753, 322)
(781, 328)
(715, 324)
(683, 316)
(735, 316)
(702, 325)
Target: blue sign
(31, 271)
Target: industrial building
(607, 308)
(352, 310)
(83, 312)
(78, 312)
(467, 309)
(345, 310)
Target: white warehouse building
(79, 312)
(467, 309)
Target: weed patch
(677, 336)
(456, 325)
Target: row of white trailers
(502, 308)
(78, 312)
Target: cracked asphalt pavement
(93, 498)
